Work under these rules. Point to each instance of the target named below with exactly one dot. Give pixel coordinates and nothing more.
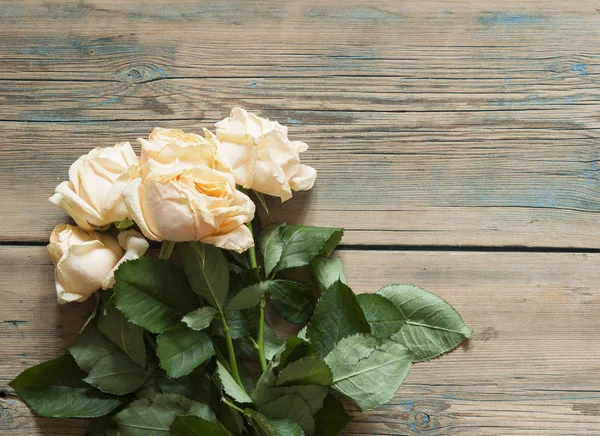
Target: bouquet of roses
(179, 343)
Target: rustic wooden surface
(456, 141)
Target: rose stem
(260, 343)
(232, 362)
(233, 406)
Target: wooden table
(458, 142)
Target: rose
(261, 155)
(85, 261)
(92, 196)
(186, 193)
(82, 261)
(184, 150)
(71, 248)
(135, 246)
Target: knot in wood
(422, 419)
(134, 75)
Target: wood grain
(430, 123)
(531, 366)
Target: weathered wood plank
(430, 123)
(384, 187)
(531, 366)
(228, 37)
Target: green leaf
(302, 333)
(55, 389)
(272, 343)
(197, 386)
(153, 417)
(312, 394)
(125, 335)
(368, 370)
(246, 377)
(117, 374)
(230, 386)
(201, 318)
(239, 323)
(242, 279)
(271, 246)
(90, 347)
(181, 349)
(125, 224)
(293, 407)
(301, 244)
(432, 326)
(153, 293)
(241, 259)
(327, 271)
(181, 386)
(294, 349)
(243, 325)
(149, 389)
(103, 426)
(260, 423)
(292, 301)
(286, 427)
(310, 370)
(273, 427)
(266, 380)
(336, 316)
(263, 202)
(207, 271)
(231, 419)
(383, 316)
(248, 297)
(166, 249)
(194, 426)
(332, 418)
(244, 347)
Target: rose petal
(135, 246)
(239, 239)
(133, 195)
(304, 179)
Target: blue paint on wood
(158, 73)
(15, 324)
(412, 426)
(580, 69)
(219, 10)
(533, 99)
(360, 59)
(592, 174)
(294, 121)
(507, 79)
(105, 102)
(447, 12)
(506, 19)
(253, 85)
(361, 14)
(110, 46)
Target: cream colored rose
(135, 245)
(92, 196)
(179, 149)
(186, 193)
(85, 261)
(261, 155)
